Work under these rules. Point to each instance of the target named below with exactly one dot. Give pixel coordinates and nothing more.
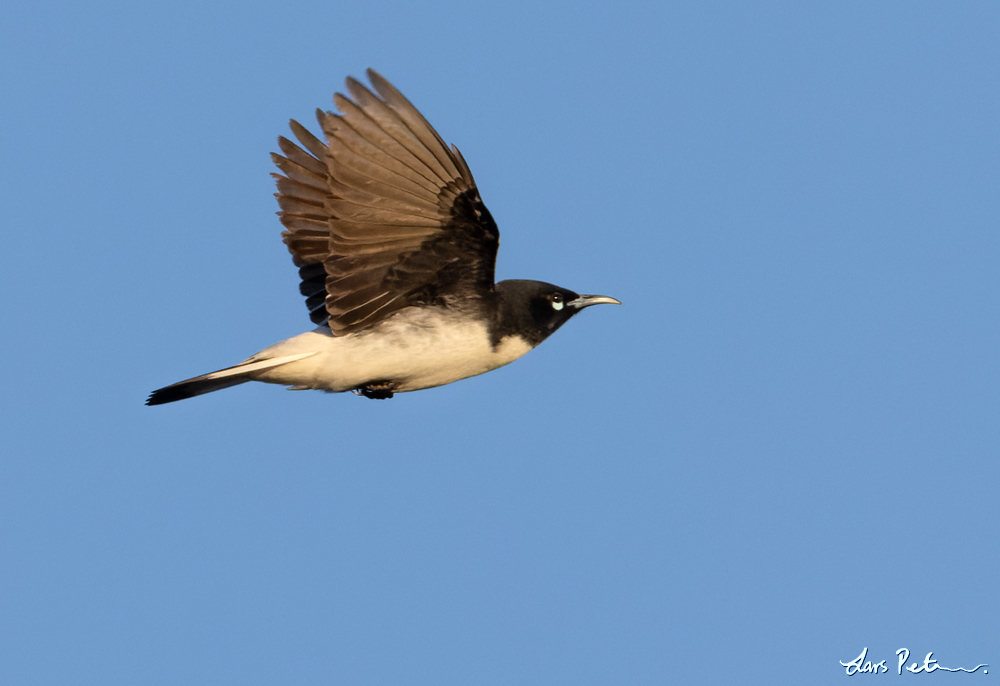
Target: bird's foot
(377, 390)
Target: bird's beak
(588, 300)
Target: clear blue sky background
(782, 449)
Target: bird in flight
(396, 251)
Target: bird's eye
(557, 301)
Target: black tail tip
(192, 387)
(170, 394)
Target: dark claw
(379, 390)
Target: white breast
(414, 350)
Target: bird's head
(535, 309)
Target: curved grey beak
(588, 300)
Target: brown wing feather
(382, 215)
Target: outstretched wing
(383, 215)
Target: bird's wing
(383, 215)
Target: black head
(535, 309)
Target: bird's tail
(216, 381)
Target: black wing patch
(313, 287)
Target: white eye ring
(557, 304)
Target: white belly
(411, 352)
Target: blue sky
(782, 449)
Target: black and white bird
(396, 250)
